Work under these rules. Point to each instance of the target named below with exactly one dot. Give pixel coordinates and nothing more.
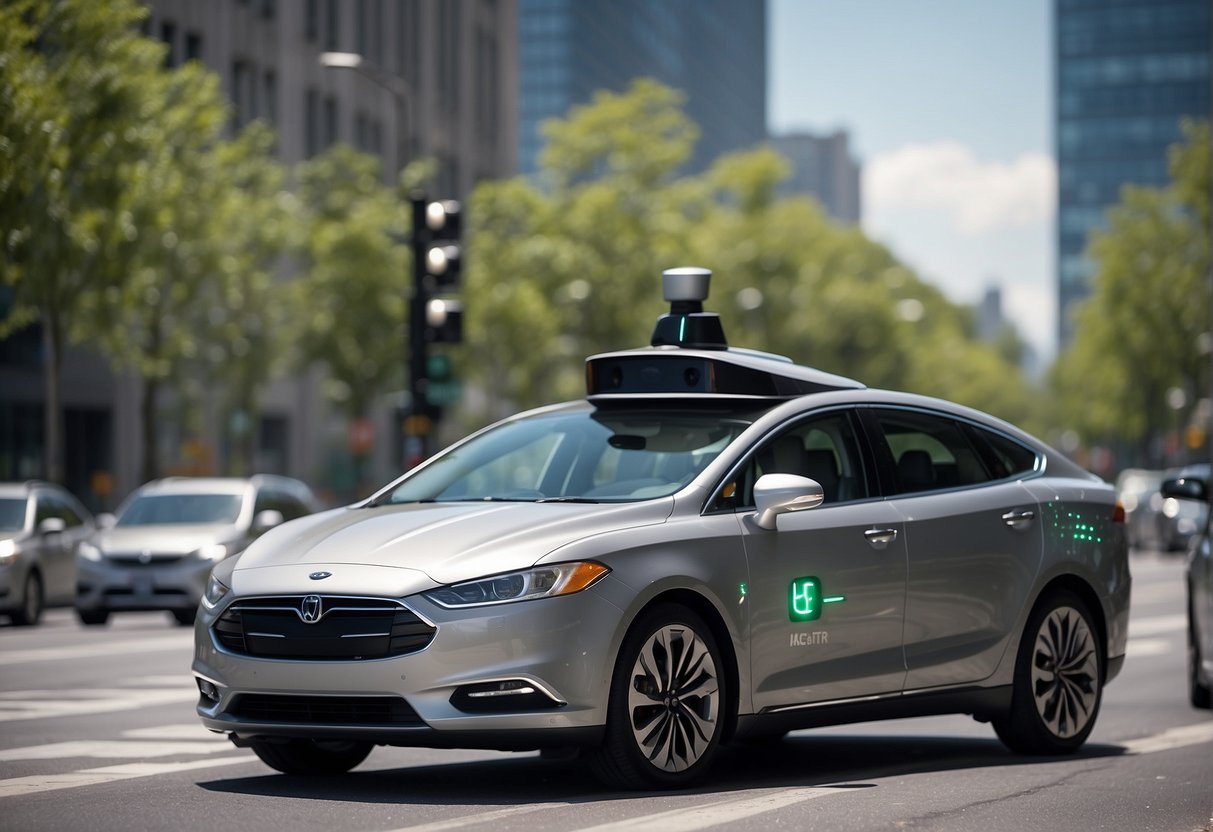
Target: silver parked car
(1191, 486)
(158, 552)
(716, 544)
(40, 526)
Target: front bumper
(562, 648)
(119, 586)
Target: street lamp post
(396, 87)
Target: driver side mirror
(266, 520)
(105, 520)
(1185, 488)
(51, 525)
(776, 494)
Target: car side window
(1004, 456)
(823, 448)
(929, 452)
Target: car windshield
(166, 509)
(12, 515)
(581, 456)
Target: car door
(827, 587)
(973, 536)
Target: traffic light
(433, 319)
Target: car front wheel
(30, 611)
(1058, 680)
(311, 757)
(666, 712)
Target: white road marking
(180, 641)
(482, 817)
(112, 749)
(1157, 624)
(1147, 647)
(716, 814)
(1172, 738)
(16, 786)
(43, 704)
(181, 731)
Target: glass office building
(712, 50)
(1127, 72)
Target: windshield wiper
(565, 500)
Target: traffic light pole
(417, 426)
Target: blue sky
(949, 107)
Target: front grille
(324, 710)
(136, 560)
(347, 629)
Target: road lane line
(1171, 738)
(483, 817)
(33, 704)
(17, 786)
(1147, 647)
(112, 749)
(166, 644)
(1157, 624)
(716, 814)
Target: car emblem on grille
(320, 576)
(311, 609)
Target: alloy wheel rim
(1065, 672)
(674, 698)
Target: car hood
(162, 540)
(444, 542)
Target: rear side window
(1004, 456)
(930, 452)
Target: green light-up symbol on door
(805, 600)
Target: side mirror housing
(1185, 488)
(776, 494)
(105, 520)
(51, 525)
(266, 520)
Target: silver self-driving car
(715, 544)
(158, 552)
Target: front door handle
(1018, 519)
(880, 538)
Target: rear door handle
(1018, 519)
(880, 538)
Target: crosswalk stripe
(179, 641)
(17, 786)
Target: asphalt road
(97, 732)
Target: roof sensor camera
(687, 325)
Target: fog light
(505, 695)
(208, 690)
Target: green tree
(1139, 334)
(568, 265)
(79, 115)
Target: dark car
(1192, 487)
(41, 525)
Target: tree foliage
(568, 264)
(1139, 335)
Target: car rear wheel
(1199, 693)
(30, 611)
(93, 618)
(1058, 680)
(666, 712)
(311, 757)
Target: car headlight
(540, 582)
(89, 552)
(8, 551)
(215, 590)
(213, 551)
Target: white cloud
(967, 225)
(976, 197)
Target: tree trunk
(52, 341)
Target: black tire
(1199, 693)
(185, 617)
(30, 611)
(93, 618)
(311, 757)
(1053, 709)
(666, 713)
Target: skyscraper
(712, 50)
(1127, 72)
(823, 167)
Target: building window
(331, 33)
(168, 34)
(269, 97)
(193, 46)
(311, 123)
(311, 21)
(244, 97)
(330, 121)
(269, 9)
(360, 22)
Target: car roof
(24, 489)
(197, 485)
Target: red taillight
(1118, 513)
